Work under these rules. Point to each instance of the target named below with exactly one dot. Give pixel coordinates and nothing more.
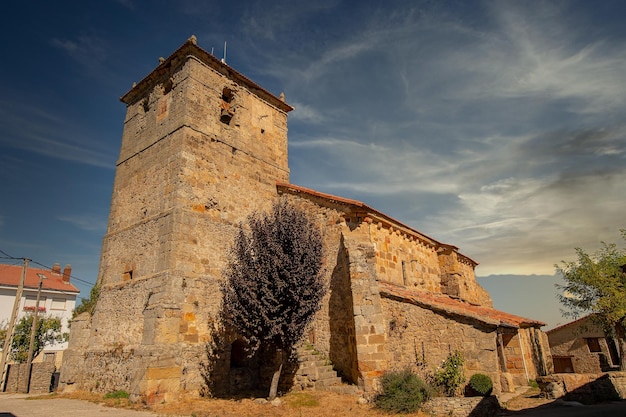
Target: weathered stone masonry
(202, 148)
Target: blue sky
(495, 126)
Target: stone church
(203, 146)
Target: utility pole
(8, 340)
(33, 333)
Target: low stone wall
(40, 381)
(463, 406)
(584, 388)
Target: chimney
(67, 271)
(56, 269)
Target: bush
(480, 384)
(402, 392)
(450, 377)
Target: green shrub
(480, 384)
(117, 394)
(402, 392)
(450, 376)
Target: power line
(45, 266)
(71, 276)
(6, 255)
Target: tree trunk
(621, 342)
(276, 377)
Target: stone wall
(420, 337)
(585, 388)
(463, 407)
(41, 378)
(570, 342)
(422, 264)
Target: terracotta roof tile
(448, 305)
(10, 276)
(571, 323)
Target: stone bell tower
(202, 147)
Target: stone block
(376, 338)
(163, 373)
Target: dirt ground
(301, 404)
(309, 404)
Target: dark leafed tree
(274, 283)
(596, 285)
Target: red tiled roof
(10, 275)
(452, 306)
(296, 189)
(571, 323)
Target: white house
(58, 298)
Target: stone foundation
(584, 388)
(463, 406)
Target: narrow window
(593, 343)
(227, 111)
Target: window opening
(593, 343)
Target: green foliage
(480, 384)
(88, 304)
(48, 332)
(533, 383)
(274, 283)
(596, 285)
(450, 375)
(402, 392)
(117, 394)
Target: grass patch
(117, 394)
(301, 399)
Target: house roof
(10, 276)
(571, 323)
(451, 306)
(190, 48)
(360, 206)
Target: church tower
(202, 147)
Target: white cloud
(86, 222)
(305, 113)
(89, 51)
(31, 128)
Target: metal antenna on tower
(224, 59)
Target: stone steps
(316, 372)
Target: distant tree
(274, 282)
(48, 332)
(596, 285)
(87, 305)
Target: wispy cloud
(516, 123)
(86, 222)
(36, 130)
(89, 51)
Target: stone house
(582, 347)
(58, 299)
(202, 148)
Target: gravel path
(19, 405)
